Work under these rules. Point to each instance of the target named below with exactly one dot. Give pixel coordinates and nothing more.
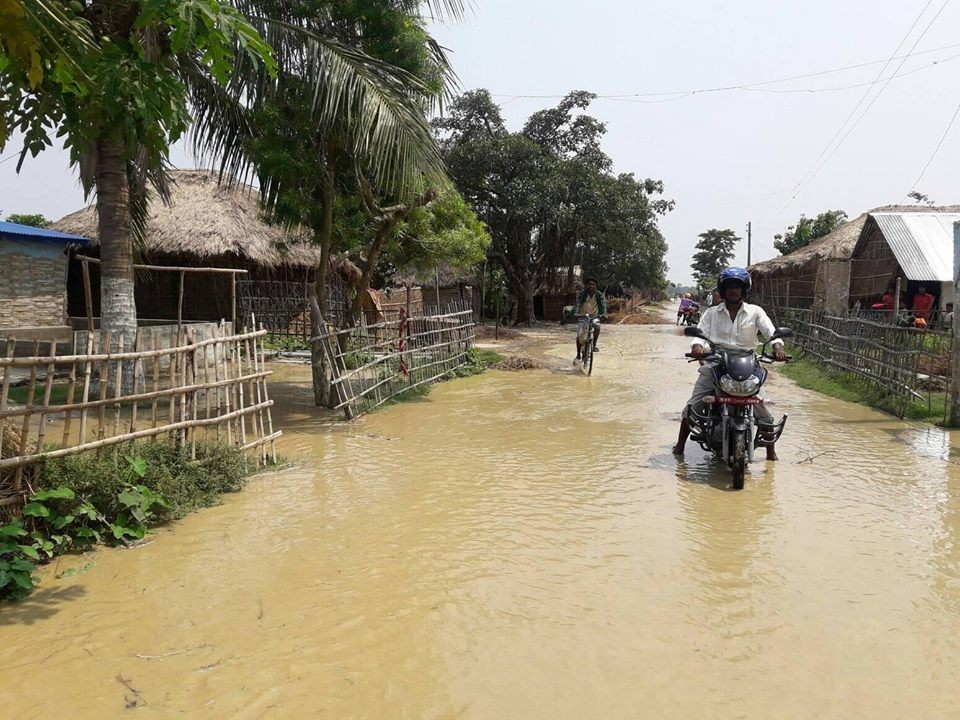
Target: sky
(725, 157)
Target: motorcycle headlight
(740, 387)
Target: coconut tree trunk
(118, 311)
(326, 239)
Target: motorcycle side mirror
(692, 331)
(781, 332)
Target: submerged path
(524, 545)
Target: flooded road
(524, 545)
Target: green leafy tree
(546, 193)
(32, 220)
(714, 252)
(807, 230)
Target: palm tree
(119, 80)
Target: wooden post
(180, 305)
(437, 273)
(955, 355)
(87, 293)
(496, 331)
(896, 302)
(233, 301)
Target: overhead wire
(936, 150)
(831, 148)
(743, 86)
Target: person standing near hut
(592, 304)
(922, 304)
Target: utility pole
(955, 359)
(749, 240)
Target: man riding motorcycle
(687, 305)
(590, 303)
(734, 325)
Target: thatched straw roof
(206, 220)
(838, 245)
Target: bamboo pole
(266, 397)
(25, 428)
(126, 437)
(216, 377)
(98, 357)
(156, 380)
(227, 390)
(171, 268)
(7, 373)
(180, 304)
(106, 338)
(240, 406)
(87, 369)
(253, 398)
(118, 383)
(71, 389)
(233, 302)
(955, 355)
(87, 292)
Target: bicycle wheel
(588, 360)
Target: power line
(831, 148)
(745, 86)
(934, 154)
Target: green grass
(809, 375)
(487, 357)
(58, 394)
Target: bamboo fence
(907, 365)
(372, 364)
(214, 389)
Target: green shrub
(104, 497)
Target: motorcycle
(726, 426)
(691, 316)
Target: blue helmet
(734, 274)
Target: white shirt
(739, 334)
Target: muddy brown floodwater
(524, 545)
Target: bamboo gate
(105, 397)
(372, 364)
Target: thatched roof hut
(208, 224)
(818, 275)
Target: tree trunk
(524, 292)
(373, 254)
(326, 239)
(322, 373)
(118, 310)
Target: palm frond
(380, 108)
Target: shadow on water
(695, 467)
(41, 605)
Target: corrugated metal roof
(15, 231)
(921, 242)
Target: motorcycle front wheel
(739, 466)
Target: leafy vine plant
(56, 521)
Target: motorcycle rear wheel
(739, 460)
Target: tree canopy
(549, 198)
(714, 252)
(35, 220)
(806, 230)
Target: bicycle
(585, 334)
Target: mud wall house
(206, 224)
(33, 281)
